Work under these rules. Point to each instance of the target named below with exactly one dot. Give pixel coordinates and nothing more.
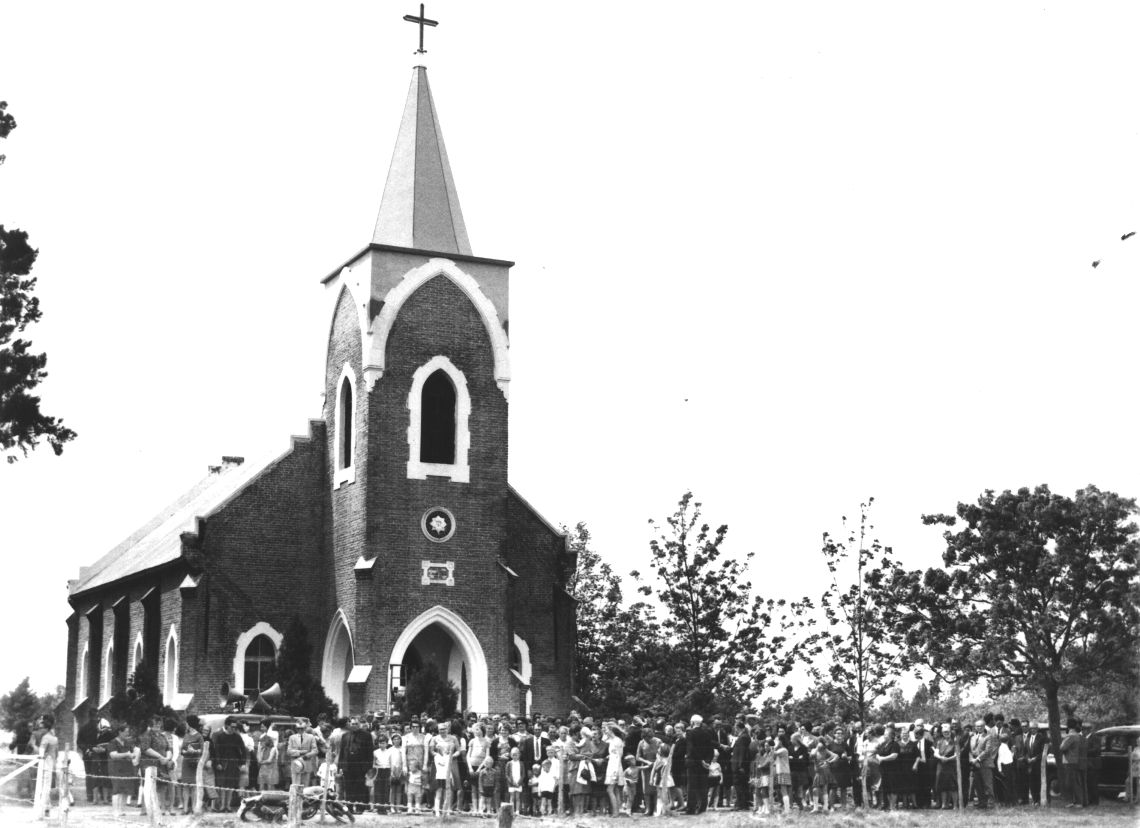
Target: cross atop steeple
(422, 21)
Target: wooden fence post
(150, 794)
(200, 778)
(65, 787)
(958, 776)
(41, 802)
(295, 792)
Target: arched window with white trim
(439, 408)
(254, 658)
(260, 660)
(170, 671)
(108, 674)
(137, 655)
(344, 431)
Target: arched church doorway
(337, 663)
(442, 638)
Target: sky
(786, 256)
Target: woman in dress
(501, 754)
(946, 775)
(581, 769)
(614, 773)
(799, 760)
(906, 770)
(122, 763)
(888, 753)
(782, 771)
(841, 768)
(646, 756)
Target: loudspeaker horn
(271, 695)
(228, 697)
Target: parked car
(1116, 744)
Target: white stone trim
(459, 471)
(375, 344)
(448, 581)
(524, 660)
(135, 650)
(81, 669)
(243, 642)
(344, 474)
(328, 681)
(108, 677)
(170, 665)
(477, 676)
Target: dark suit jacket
(740, 753)
(527, 752)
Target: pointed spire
(420, 207)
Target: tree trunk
(1053, 705)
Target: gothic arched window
(437, 420)
(260, 657)
(344, 432)
(439, 407)
(344, 449)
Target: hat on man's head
(588, 721)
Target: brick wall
(266, 558)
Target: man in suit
(983, 754)
(532, 751)
(699, 752)
(1034, 761)
(739, 764)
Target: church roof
(420, 206)
(159, 540)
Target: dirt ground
(1111, 814)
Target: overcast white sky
(785, 255)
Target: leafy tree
(301, 693)
(22, 424)
(720, 633)
(429, 693)
(7, 123)
(1038, 592)
(619, 652)
(19, 707)
(141, 700)
(861, 645)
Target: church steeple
(420, 207)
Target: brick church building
(391, 528)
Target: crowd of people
(576, 765)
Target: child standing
(267, 777)
(546, 784)
(661, 777)
(514, 779)
(823, 777)
(632, 772)
(532, 783)
(715, 775)
(415, 785)
(485, 784)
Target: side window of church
(347, 418)
(260, 657)
(437, 420)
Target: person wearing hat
(301, 751)
(1073, 751)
